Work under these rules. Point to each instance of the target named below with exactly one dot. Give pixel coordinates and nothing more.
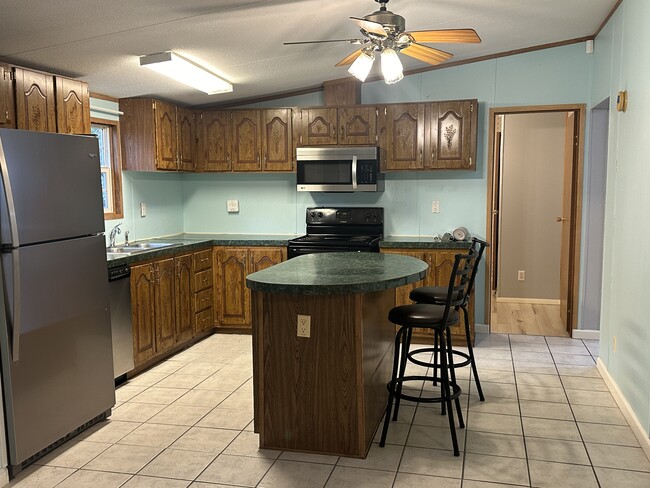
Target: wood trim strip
(104, 97)
(609, 16)
(116, 166)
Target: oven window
(325, 172)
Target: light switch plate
(233, 206)
(435, 206)
(143, 209)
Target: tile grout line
(521, 417)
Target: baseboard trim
(585, 334)
(482, 328)
(628, 413)
(536, 301)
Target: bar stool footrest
(436, 350)
(455, 389)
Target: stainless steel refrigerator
(55, 331)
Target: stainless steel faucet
(111, 237)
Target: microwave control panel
(367, 172)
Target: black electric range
(336, 229)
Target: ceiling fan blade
(349, 59)
(426, 54)
(351, 41)
(369, 26)
(446, 35)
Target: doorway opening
(534, 217)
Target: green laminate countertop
(421, 242)
(338, 273)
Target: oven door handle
(354, 172)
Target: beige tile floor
(548, 421)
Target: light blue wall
(620, 52)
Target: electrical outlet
(521, 275)
(435, 206)
(143, 209)
(304, 325)
(232, 206)
(614, 344)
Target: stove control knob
(312, 214)
(320, 215)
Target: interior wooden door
(565, 219)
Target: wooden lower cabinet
(232, 298)
(203, 291)
(441, 262)
(164, 306)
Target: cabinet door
(277, 145)
(403, 136)
(184, 297)
(265, 257)
(35, 103)
(318, 126)
(233, 301)
(142, 306)
(185, 121)
(72, 106)
(216, 141)
(166, 144)
(7, 100)
(452, 135)
(247, 142)
(165, 304)
(357, 125)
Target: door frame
(576, 201)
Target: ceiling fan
(384, 33)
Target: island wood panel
(326, 393)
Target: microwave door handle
(354, 172)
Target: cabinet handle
(204, 260)
(342, 132)
(205, 280)
(333, 131)
(433, 153)
(6, 115)
(421, 150)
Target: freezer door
(50, 188)
(64, 373)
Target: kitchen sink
(153, 245)
(135, 248)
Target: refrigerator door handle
(16, 321)
(9, 196)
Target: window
(107, 132)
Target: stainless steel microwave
(338, 169)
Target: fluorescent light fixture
(391, 66)
(181, 69)
(362, 65)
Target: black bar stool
(438, 318)
(437, 295)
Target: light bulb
(362, 65)
(391, 66)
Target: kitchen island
(323, 348)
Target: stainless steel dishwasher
(121, 320)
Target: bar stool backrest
(460, 280)
(479, 246)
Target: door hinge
(470, 161)
(471, 107)
(376, 112)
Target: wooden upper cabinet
(35, 101)
(357, 125)
(277, 140)
(402, 136)
(318, 126)
(215, 141)
(452, 134)
(187, 140)
(166, 135)
(247, 144)
(72, 106)
(7, 99)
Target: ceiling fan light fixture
(391, 66)
(362, 65)
(181, 69)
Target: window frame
(116, 167)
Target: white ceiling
(99, 41)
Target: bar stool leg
(470, 351)
(452, 373)
(444, 373)
(391, 385)
(436, 340)
(406, 344)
